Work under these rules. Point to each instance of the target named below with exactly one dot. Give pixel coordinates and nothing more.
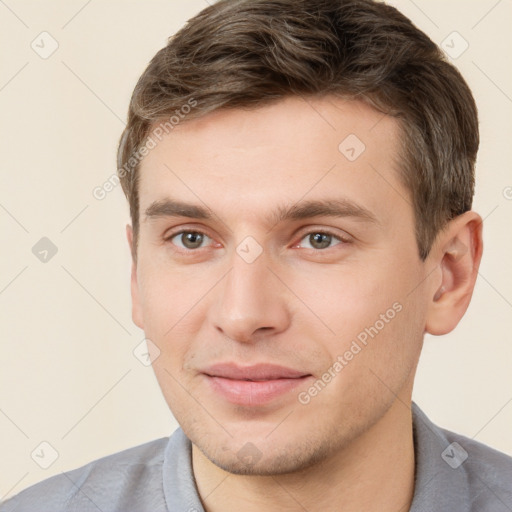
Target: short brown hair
(247, 53)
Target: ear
(134, 283)
(457, 252)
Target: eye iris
(192, 240)
(320, 240)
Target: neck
(375, 473)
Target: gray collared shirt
(453, 474)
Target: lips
(252, 385)
(255, 372)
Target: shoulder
(104, 484)
(458, 473)
(488, 471)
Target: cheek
(169, 294)
(367, 367)
(350, 298)
(175, 302)
(375, 322)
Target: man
(300, 177)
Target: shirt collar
(435, 479)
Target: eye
(189, 239)
(319, 240)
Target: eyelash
(339, 238)
(198, 231)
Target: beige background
(68, 375)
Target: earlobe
(134, 284)
(458, 252)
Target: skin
(296, 304)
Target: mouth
(253, 385)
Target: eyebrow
(299, 211)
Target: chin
(265, 458)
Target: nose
(251, 302)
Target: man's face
(286, 298)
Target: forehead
(296, 148)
